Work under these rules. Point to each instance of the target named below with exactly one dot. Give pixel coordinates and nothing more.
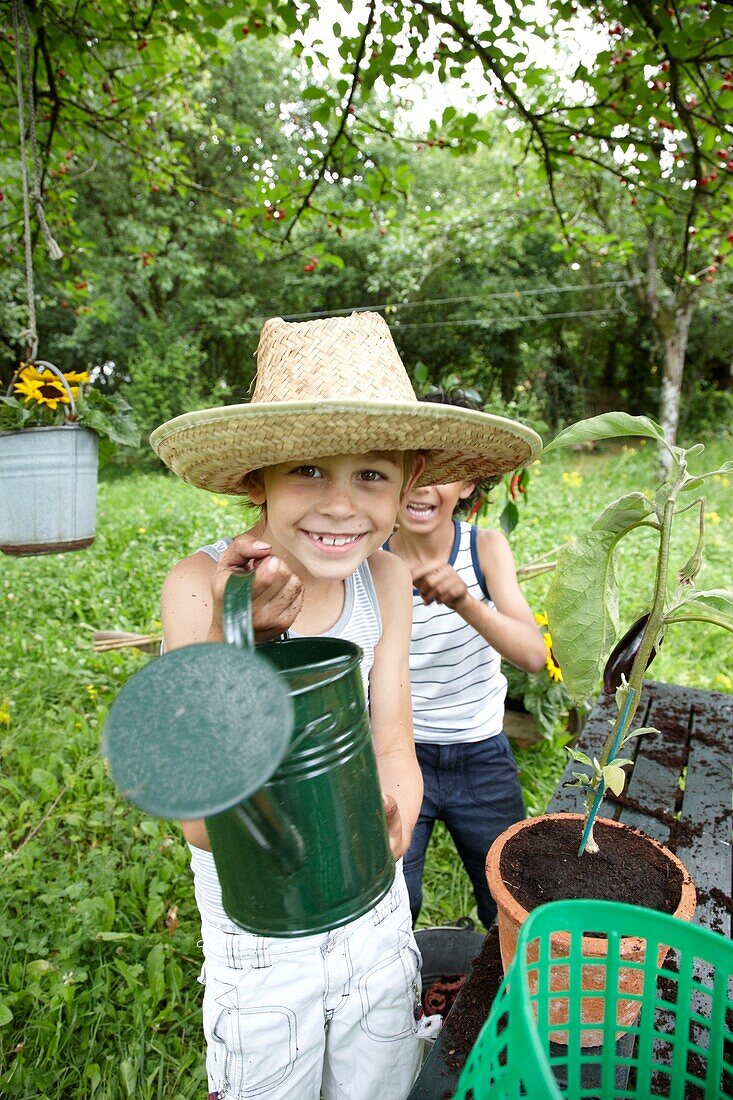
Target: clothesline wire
(491, 296)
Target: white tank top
(458, 688)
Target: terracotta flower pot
(512, 914)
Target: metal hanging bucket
(273, 747)
(48, 489)
(48, 485)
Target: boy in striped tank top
(331, 440)
(468, 613)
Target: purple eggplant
(623, 655)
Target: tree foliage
(200, 169)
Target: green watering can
(273, 747)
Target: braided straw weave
(329, 387)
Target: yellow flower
(49, 392)
(46, 388)
(724, 680)
(540, 618)
(4, 716)
(572, 479)
(713, 517)
(553, 668)
(91, 691)
(142, 530)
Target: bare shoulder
(493, 546)
(188, 576)
(496, 557)
(186, 603)
(389, 573)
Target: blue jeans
(474, 789)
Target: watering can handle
(237, 611)
(266, 821)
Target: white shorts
(330, 1015)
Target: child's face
(327, 515)
(428, 508)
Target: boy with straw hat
(331, 440)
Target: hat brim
(215, 448)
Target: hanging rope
(32, 191)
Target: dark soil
(541, 864)
(461, 1028)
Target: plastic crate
(681, 1046)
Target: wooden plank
(650, 799)
(705, 827)
(590, 741)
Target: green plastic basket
(680, 1047)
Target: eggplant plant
(582, 601)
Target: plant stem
(648, 640)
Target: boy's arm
(509, 626)
(391, 701)
(194, 590)
(191, 609)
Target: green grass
(98, 994)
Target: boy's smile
(327, 515)
(427, 508)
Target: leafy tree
(634, 107)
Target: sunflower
(553, 668)
(43, 390)
(46, 388)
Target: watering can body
(325, 796)
(272, 746)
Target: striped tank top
(458, 688)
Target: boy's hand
(394, 826)
(438, 582)
(277, 593)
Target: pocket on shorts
(250, 1051)
(390, 992)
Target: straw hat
(329, 387)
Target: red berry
(245, 30)
(142, 45)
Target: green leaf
(509, 518)
(5, 1015)
(639, 733)
(606, 426)
(623, 514)
(582, 609)
(156, 972)
(714, 606)
(581, 757)
(614, 778)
